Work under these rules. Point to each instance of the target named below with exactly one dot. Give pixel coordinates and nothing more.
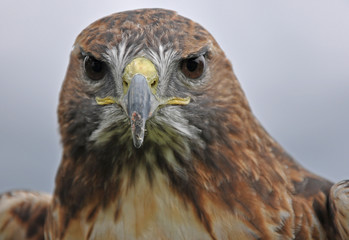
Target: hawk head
(148, 87)
(151, 103)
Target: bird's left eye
(193, 68)
(94, 68)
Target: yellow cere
(145, 67)
(105, 101)
(177, 101)
(142, 66)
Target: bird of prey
(159, 142)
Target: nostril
(125, 86)
(153, 84)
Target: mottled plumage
(159, 142)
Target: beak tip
(138, 139)
(137, 143)
(137, 129)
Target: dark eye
(193, 67)
(94, 68)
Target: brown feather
(23, 215)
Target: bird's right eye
(94, 69)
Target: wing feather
(22, 215)
(339, 202)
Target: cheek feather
(113, 122)
(173, 117)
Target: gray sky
(291, 57)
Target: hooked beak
(138, 107)
(140, 80)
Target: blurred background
(291, 57)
